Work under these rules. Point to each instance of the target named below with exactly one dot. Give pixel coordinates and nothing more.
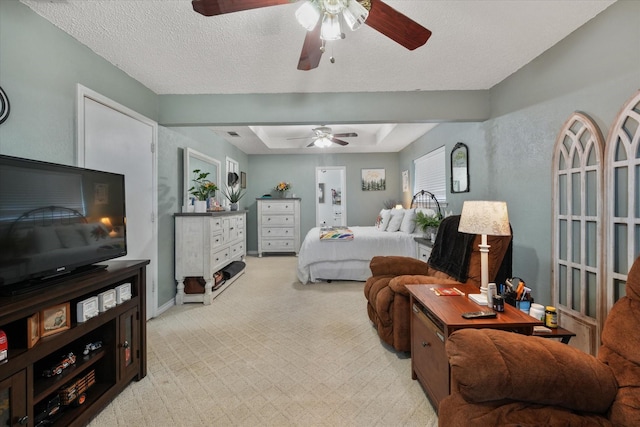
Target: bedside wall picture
(405, 181)
(373, 180)
(55, 319)
(33, 330)
(243, 180)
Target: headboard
(426, 199)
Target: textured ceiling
(171, 49)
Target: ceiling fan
(323, 137)
(322, 19)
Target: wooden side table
(434, 318)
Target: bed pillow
(408, 221)
(396, 220)
(383, 219)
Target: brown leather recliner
(502, 378)
(455, 259)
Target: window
(430, 174)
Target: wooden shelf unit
(121, 359)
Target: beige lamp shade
(484, 217)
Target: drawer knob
(426, 344)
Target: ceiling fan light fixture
(355, 14)
(322, 142)
(330, 27)
(334, 6)
(308, 15)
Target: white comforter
(367, 243)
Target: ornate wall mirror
(460, 168)
(195, 160)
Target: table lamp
(484, 218)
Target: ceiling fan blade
(398, 27)
(339, 141)
(219, 7)
(346, 135)
(300, 137)
(312, 144)
(311, 50)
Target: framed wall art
(243, 180)
(373, 180)
(55, 319)
(33, 330)
(405, 181)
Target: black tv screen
(56, 219)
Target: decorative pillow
(408, 221)
(383, 219)
(396, 219)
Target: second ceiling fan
(322, 19)
(323, 137)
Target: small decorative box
(87, 309)
(106, 300)
(123, 293)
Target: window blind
(430, 174)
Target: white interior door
(331, 200)
(116, 139)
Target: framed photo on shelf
(55, 319)
(33, 330)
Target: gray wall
(594, 70)
(39, 69)
(362, 206)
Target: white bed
(344, 259)
(349, 260)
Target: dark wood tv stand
(122, 358)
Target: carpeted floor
(271, 352)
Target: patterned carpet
(271, 352)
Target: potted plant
(202, 189)
(428, 224)
(233, 195)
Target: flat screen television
(56, 220)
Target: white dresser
(205, 243)
(278, 225)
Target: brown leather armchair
(455, 259)
(502, 378)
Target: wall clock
(4, 106)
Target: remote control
(479, 314)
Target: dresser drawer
(237, 250)
(284, 245)
(424, 252)
(270, 220)
(220, 258)
(217, 239)
(428, 357)
(216, 224)
(278, 207)
(270, 232)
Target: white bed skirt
(346, 270)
